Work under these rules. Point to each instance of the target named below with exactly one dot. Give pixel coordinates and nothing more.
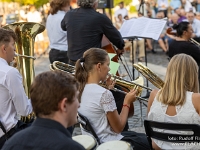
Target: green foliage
(37, 3)
(126, 2)
(132, 9)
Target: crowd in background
(175, 11)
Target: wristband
(126, 106)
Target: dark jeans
(19, 126)
(137, 140)
(119, 100)
(57, 55)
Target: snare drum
(86, 141)
(115, 145)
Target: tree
(126, 2)
(37, 3)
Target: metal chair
(149, 125)
(86, 126)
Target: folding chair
(149, 125)
(86, 126)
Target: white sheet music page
(126, 27)
(143, 27)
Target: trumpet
(128, 85)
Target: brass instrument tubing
(119, 78)
(25, 56)
(194, 42)
(140, 98)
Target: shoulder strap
(2, 127)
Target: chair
(149, 125)
(2, 127)
(86, 126)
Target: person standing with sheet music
(85, 28)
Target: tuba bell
(26, 33)
(149, 75)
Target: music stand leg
(147, 82)
(133, 69)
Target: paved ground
(156, 62)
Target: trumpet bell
(151, 76)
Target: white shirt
(13, 99)
(122, 11)
(34, 17)
(96, 101)
(162, 3)
(57, 37)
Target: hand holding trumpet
(110, 83)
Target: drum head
(86, 141)
(114, 145)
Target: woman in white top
(98, 104)
(178, 100)
(57, 37)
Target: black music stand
(141, 28)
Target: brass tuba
(26, 33)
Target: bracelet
(126, 106)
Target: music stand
(142, 27)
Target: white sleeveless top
(185, 114)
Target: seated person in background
(195, 25)
(178, 100)
(162, 41)
(13, 99)
(136, 43)
(55, 112)
(173, 20)
(119, 22)
(182, 44)
(98, 104)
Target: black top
(85, 28)
(177, 47)
(43, 134)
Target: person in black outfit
(55, 112)
(182, 44)
(85, 28)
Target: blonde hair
(181, 76)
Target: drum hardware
(115, 145)
(86, 141)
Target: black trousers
(137, 140)
(19, 126)
(57, 55)
(119, 100)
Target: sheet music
(143, 27)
